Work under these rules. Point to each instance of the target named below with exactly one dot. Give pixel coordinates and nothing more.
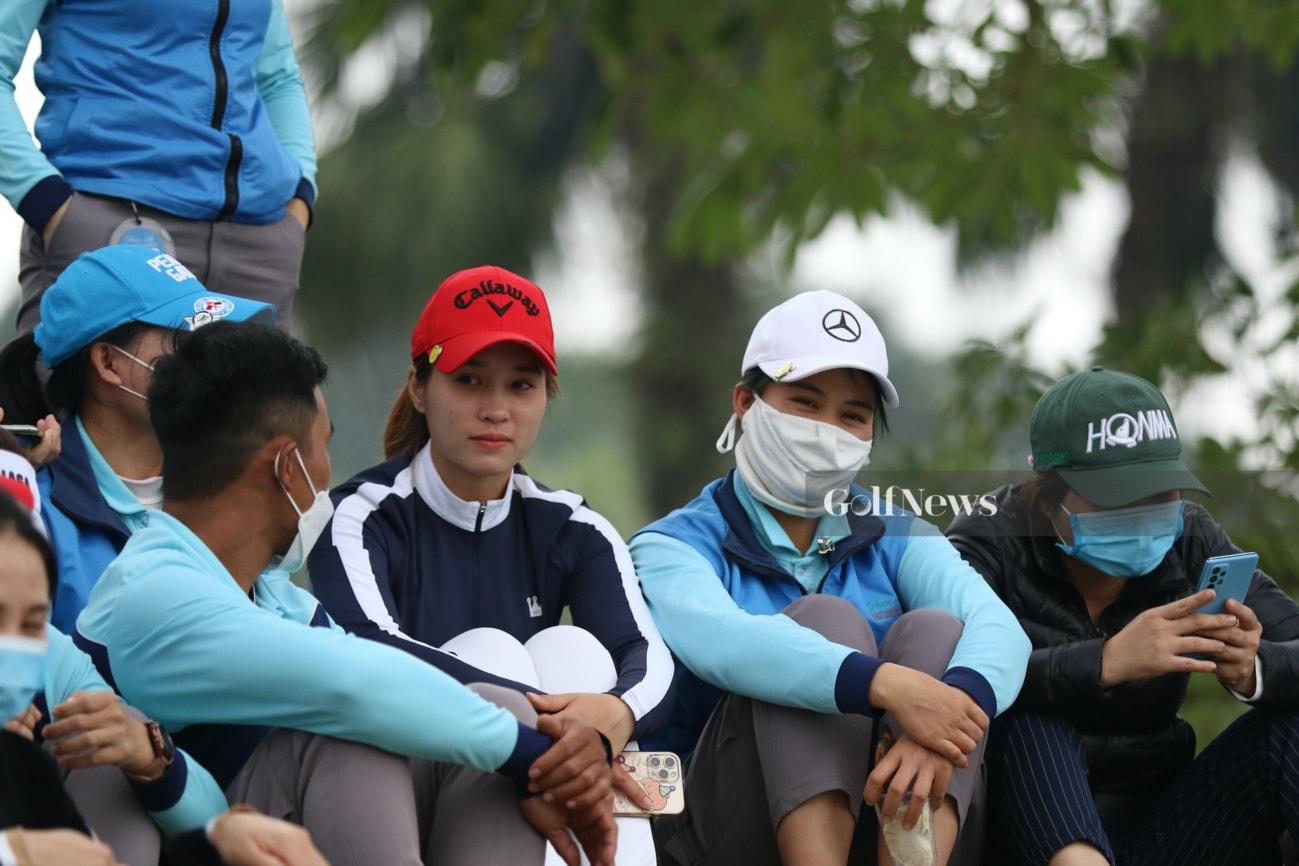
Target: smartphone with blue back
(1228, 576)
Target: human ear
(415, 389)
(742, 399)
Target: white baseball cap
(817, 331)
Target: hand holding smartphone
(659, 774)
(1229, 577)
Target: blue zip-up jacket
(717, 595)
(193, 107)
(172, 631)
(184, 798)
(86, 534)
(407, 563)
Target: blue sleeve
(188, 651)
(771, 658)
(280, 82)
(604, 596)
(22, 165)
(187, 796)
(992, 654)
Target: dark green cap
(1110, 436)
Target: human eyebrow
(807, 387)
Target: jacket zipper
(219, 110)
(478, 531)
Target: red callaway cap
(480, 307)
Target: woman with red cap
(450, 551)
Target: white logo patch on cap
(1123, 429)
(207, 310)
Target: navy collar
(73, 487)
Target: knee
(833, 618)
(571, 659)
(929, 625)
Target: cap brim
(200, 308)
(1115, 486)
(456, 351)
(809, 365)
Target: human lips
(491, 440)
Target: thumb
(547, 703)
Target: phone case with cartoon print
(660, 774)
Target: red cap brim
(456, 351)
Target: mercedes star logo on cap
(842, 325)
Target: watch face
(162, 744)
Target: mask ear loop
(726, 441)
(285, 488)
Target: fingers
(599, 837)
(1184, 606)
(1200, 623)
(550, 703)
(573, 770)
(623, 781)
(879, 777)
(1248, 620)
(920, 793)
(564, 846)
(86, 702)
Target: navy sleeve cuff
(975, 685)
(532, 744)
(166, 790)
(43, 200)
(852, 688)
(307, 193)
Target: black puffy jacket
(1133, 739)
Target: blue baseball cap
(109, 287)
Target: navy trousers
(1229, 808)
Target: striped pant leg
(1231, 806)
(1038, 797)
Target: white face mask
(145, 364)
(791, 463)
(311, 523)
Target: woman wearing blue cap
(798, 612)
(1099, 556)
(104, 322)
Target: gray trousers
(755, 761)
(258, 262)
(107, 802)
(360, 806)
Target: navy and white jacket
(406, 562)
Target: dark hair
(407, 430)
(757, 381)
(227, 390)
(25, 401)
(15, 519)
(1042, 492)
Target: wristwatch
(164, 752)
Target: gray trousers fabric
(105, 799)
(258, 262)
(756, 761)
(355, 800)
(469, 816)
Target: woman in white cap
(1099, 556)
(798, 612)
(104, 322)
(451, 552)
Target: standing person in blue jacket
(173, 124)
(796, 620)
(290, 713)
(106, 321)
(1099, 555)
(450, 552)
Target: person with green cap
(1099, 555)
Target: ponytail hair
(21, 394)
(407, 429)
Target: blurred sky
(903, 267)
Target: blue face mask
(22, 674)
(1125, 542)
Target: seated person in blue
(796, 620)
(1099, 556)
(104, 323)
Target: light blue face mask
(1125, 542)
(22, 674)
